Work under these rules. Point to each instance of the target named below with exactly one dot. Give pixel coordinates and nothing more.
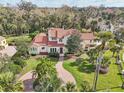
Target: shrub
(79, 61)
(78, 53)
(53, 55)
(19, 61)
(33, 54)
(12, 68)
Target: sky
(78, 3)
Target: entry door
(61, 50)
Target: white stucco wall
(3, 43)
(64, 40)
(50, 39)
(87, 42)
(33, 50)
(58, 49)
(40, 49)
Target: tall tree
(73, 43)
(46, 77)
(27, 6)
(105, 37)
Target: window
(34, 49)
(4, 42)
(43, 48)
(60, 40)
(53, 38)
(53, 50)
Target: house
(56, 40)
(89, 41)
(3, 43)
(103, 26)
(5, 49)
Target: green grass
(32, 64)
(22, 38)
(108, 82)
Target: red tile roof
(60, 33)
(109, 11)
(55, 44)
(87, 36)
(40, 39)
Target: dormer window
(43, 48)
(53, 38)
(60, 40)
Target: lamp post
(98, 62)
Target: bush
(53, 55)
(12, 68)
(33, 54)
(78, 54)
(79, 61)
(19, 61)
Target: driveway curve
(27, 81)
(63, 74)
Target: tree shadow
(86, 68)
(74, 64)
(28, 85)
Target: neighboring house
(104, 27)
(55, 41)
(5, 49)
(89, 41)
(3, 43)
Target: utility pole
(98, 61)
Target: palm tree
(92, 53)
(105, 37)
(85, 87)
(8, 83)
(46, 78)
(69, 87)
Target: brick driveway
(63, 74)
(27, 81)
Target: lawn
(108, 82)
(32, 64)
(23, 38)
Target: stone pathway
(63, 74)
(27, 81)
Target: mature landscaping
(85, 72)
(96, 64)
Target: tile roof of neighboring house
(40, 39)
(109, 10)
(1, 38)
(10, 51)
(60, 32)
(54, 44)
(87, 36)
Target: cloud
(115, 0)
(58, 3)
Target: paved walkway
(63, 74)
(27, 81)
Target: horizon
(70, 3)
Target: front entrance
(61, 50)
